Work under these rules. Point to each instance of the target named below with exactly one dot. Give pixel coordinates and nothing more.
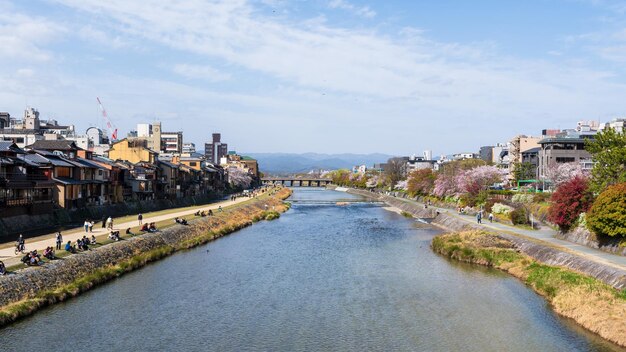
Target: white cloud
(23, 37)
(363, 11)
(201, 72)
(91, 34)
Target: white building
(617, 124)
(189, 148)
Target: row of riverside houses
(41, 170)
(536, 154)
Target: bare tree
(395, 170)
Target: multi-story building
(189, 148)
(151, 133)
(172, 142)
(216, 150)
(566, 147)
(486, 153)
(419, 163)
(26, 187)
(5, 120)
(133, 150)
(464, 156)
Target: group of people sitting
(114, 235)
(32, 258)
(180, 221)
(204, 213)
(151, 227)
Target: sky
(328, 76)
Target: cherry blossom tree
(239, 178)
(478, 179)
(401, 185)
(559, 173)
(445, 185)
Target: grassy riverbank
(201, 231)
(591, 303)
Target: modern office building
(215, 150)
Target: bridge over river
(297, 181)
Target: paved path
(7, 255)
(544, 234)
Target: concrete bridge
(297, 181)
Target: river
(321, 278)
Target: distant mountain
(288, 163)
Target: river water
(321, 278)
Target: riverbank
(31, 289)
(591, 303)
(539, 245)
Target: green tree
(607, 215)
(524, 171)
(608, 150)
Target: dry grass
(592, 304)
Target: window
(193, 163)
(565, 159)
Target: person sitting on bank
(180, 221)
(69, 248)
(197, 213)
(35, 258)
(152, 227)
(145, 227)
(210, 212)
(128, 232)
(93, 239)
(3, 268)
(49, 253)
(114, 235)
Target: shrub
(540, 197)
(607, 216)
(499, 208)
(572, 198)
(519, 216)
(522, 198)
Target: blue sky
(395, 77)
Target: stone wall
(587, 238)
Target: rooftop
(61, 144)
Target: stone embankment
(34, 223)
(543, 253)
(587, 238)
(29, 289)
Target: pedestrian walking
(86, 225)
(140, 219)
(104, 220)
(59, 240)
(91, 223)
(479, 217)
(491, 217)
(109, 223)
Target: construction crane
(110, 126)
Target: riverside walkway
(545, 235)
(7, 250)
